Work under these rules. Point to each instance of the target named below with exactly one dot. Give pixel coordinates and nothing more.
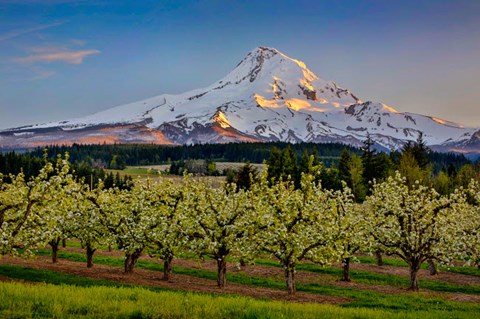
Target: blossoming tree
(414, 223)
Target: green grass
(52, 277)
(400, 263)
(381, 279)
(48, 301)
(462, 270)
(360, 298)
(134, 171)
(387, 261)
(357, 275)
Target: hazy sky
(61, 59)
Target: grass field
(153, 171)
(48, 301)
(144, 172)
(27, 292)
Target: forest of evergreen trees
(30, 165)
(356, 166)
(119, 156)
(415, 161)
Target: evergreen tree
(421, 152)
(329, 178)
(109, 180)
(376, 166)
(384, 166)
(274, 171)
(452, 171)
(368, 160)
(246, 176)
(344, 167)
(289, 164)
(304, 165)
(118, 180)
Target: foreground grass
(48, 301)
(360, 298)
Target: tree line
(290, 221)
(360, 168)
(119, 156)
(29, 165)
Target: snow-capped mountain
(267, 97)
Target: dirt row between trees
(177, 282)
(194, 284)
(265, 271)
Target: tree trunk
(167, 268)
(131, 260)
(413, 267)
(221, 272)
(243, 263)
(128, 268)
(432, 268)
(54, 244)
(64, 242)
(290, 278)
(378, 255)
(346, 269)
(90, 252)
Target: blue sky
(61, 59)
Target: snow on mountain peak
(269, 62)
(275, 80)
(268, 96)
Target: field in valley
(144, 171)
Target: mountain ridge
(268, 96)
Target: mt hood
(267, 97)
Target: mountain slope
(266, 97)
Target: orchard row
(291, 222)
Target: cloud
(16, 33)
(43, 75)
(36, 57)
(66, 56)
